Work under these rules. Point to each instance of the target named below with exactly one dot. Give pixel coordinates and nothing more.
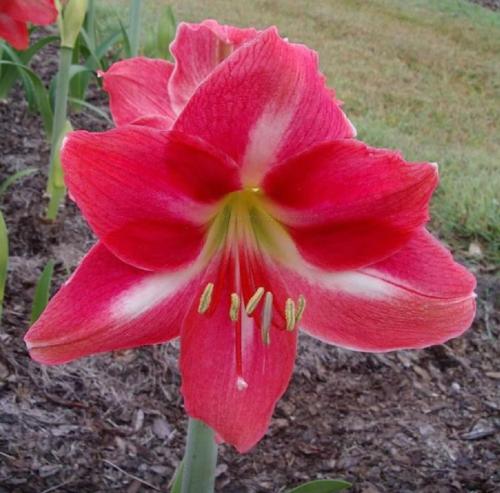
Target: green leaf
(134, 26)
(93, 108)
(103, 48)
(4, 258)
(166, 31)
(74, 70)
(159, 39)
(93, 55)
(90, 26)
(42, 291)
(13, 178)
(9, 75)
(26, 55)
(126, 40)
(177, 480)
(322, 486)
(35, 89)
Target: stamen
(234, 309)
(253, 302)
(241, 383)
(206, 298)
(290, 314)
(267, 314)
(301, 306)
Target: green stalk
(134, 26)
(200, 458)
(60, 112)
(90, 24)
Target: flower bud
(71, 16)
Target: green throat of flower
(244, 236)
(243, 221)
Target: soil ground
(425, 421)
(489, 4)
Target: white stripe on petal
(149, 293)
(264, 142)
(358, 284)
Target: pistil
(267, 316)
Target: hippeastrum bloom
(15, 14)
(233, 206)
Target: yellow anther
(290, 314)
(267, 315)
(206, 298)
(255, 189)
(253, 302)
(234, 309)
(301, 306)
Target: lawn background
(422, 76)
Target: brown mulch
(425, 421)
(489, 4)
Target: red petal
(14, 32)
(210, 374)
(146, 193)
(198, 49)
(347, 205)
(137, 88)
(265, 103)
(108, 305)
(36, 11)
(417, 298)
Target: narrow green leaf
(4, 258)
(10, 74)
(90, 25)
(93, 108)
(42, 291)
(126, 40)
(166, 31)
(34, 88)
(8, 77)
(103, 48)
(93, 55)
(13, 178)
(177, 479)
(78, 69)
(159, 39)
(26, 55)
(322, 486)
(134, 26)
(12, 55)
(75, 83)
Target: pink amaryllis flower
(15, 14)
(233, 206)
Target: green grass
(421, 76)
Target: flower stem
(60, 111)
(200, 458)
